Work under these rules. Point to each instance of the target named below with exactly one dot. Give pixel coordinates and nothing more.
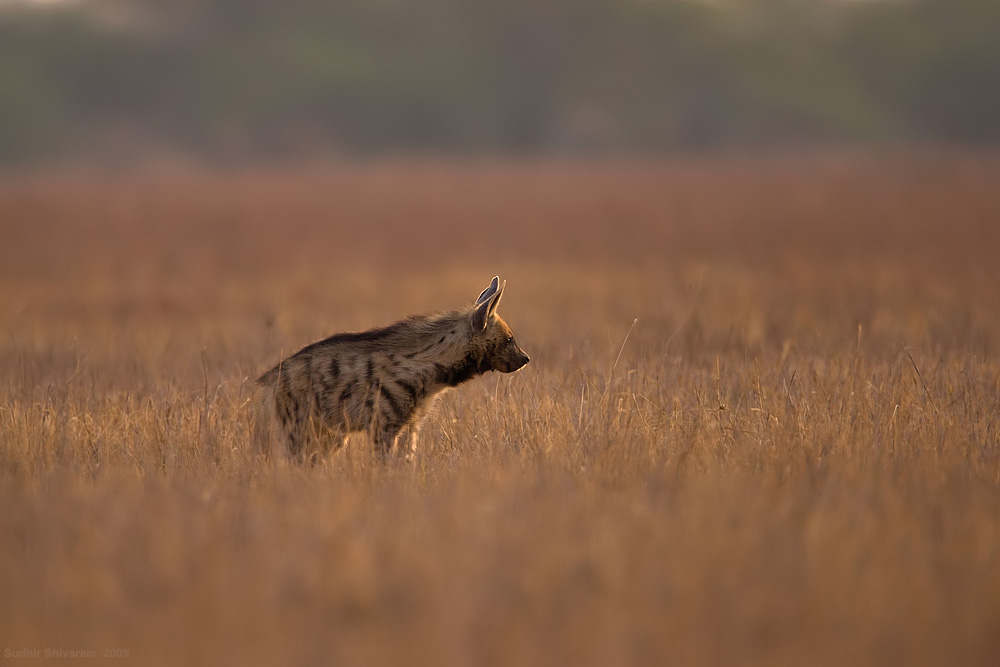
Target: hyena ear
(486, 309)
(495, 300)
(489, 291)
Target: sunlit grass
(790, 458)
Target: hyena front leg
(408, 441)
(332, 441)
(416, 423)
(384, 439)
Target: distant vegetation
(259, 78)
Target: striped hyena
(383, 381)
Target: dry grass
(794, 461)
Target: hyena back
(383, 381)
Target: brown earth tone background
(792, 457)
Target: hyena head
(491, 336)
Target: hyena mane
(383, 381)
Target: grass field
(790, 458)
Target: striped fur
(383, 381)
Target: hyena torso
(383, 381)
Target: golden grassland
(791, 457)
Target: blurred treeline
(264, 78)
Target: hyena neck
(462, 370)
(454, 356)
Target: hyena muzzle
(384, 381)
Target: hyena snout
(516, 360)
